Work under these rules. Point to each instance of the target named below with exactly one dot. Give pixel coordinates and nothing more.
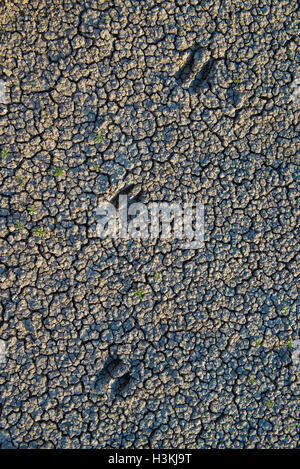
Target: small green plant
(99, 137)
(32, 210)
(20, 180)
(237, 81)
(96, 168)
(4, 153)
(40, 232)
(252, 381)
(285, 310)
(139, 293)
(59, 172)
(158, 275)
(257, 343)
(290, 344)
(270, 404)
(19, 227)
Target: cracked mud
(139, 343)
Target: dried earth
(172, 100)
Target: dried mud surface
(165, 100)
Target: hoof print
(117, 368)
(203, 76)
(113, 370)
(133, 193)
(120, 385)
(196, 68)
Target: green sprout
(19, 227)
(139, 293)
(257, 343)
(40, 232)
(4, 153)
(285, 310)
(252, 380)
(32, 210)
(99, 137)
(237, 81)
(290, 344)
(270, 404)
(59, 172)
(96, 168)
(158, 275)
(22, 181)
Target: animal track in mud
(120, 385)
(203, 76)
(133, 193)
(188, 68)
(114, 375)
(196, 68)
